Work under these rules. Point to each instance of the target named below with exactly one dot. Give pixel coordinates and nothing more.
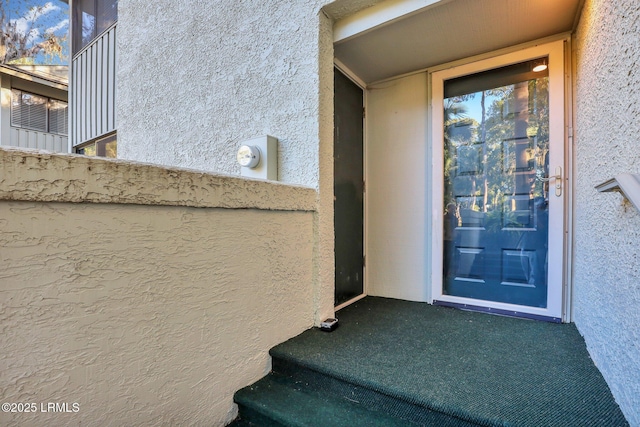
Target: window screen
(29, 111)
(58, 117)
(39, 113)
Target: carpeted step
(369, 396)
(277, 400)
(442, 366)
(397, 361)
(239, 422)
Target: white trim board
(350, 74)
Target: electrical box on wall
(258, 158)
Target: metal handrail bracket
(627, 184)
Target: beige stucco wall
(225, 73)
(146, 295)
(230, 72)
(607, 230)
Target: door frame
(358, 82)
(556, 302)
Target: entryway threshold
(497, 311)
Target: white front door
(499, 197)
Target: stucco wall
(143, 313)
(195, 81)
(227, 72)
(607, 231)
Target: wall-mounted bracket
(627, 184)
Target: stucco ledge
(41, 176)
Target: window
(58, 117)
(103, 147)
(90, 19)
(39, 113)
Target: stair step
(277, 400)
(395, 362)
(369, 396)
(238, 422)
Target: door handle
(558, 179)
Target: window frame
(47, 119)
(100, 25)
(98, 147)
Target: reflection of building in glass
(93, 17)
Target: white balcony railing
(26, 138)
(92, 89)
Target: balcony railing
(92, 89)
(26, 138)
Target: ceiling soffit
(450, 30)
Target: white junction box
(258, 158)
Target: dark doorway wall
(348, 188)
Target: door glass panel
(496, 151)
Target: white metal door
(498, 173)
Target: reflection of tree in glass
(463, 155)
(508, 175)
(512, 143)
(454, 112)
(29, 35)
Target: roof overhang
(394, 37)
(34, 76)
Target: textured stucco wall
(340, 9)
(607, 231)
(141, 313)
(324, 284)
(32, 175)
(195, 79)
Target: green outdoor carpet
(427, 365)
